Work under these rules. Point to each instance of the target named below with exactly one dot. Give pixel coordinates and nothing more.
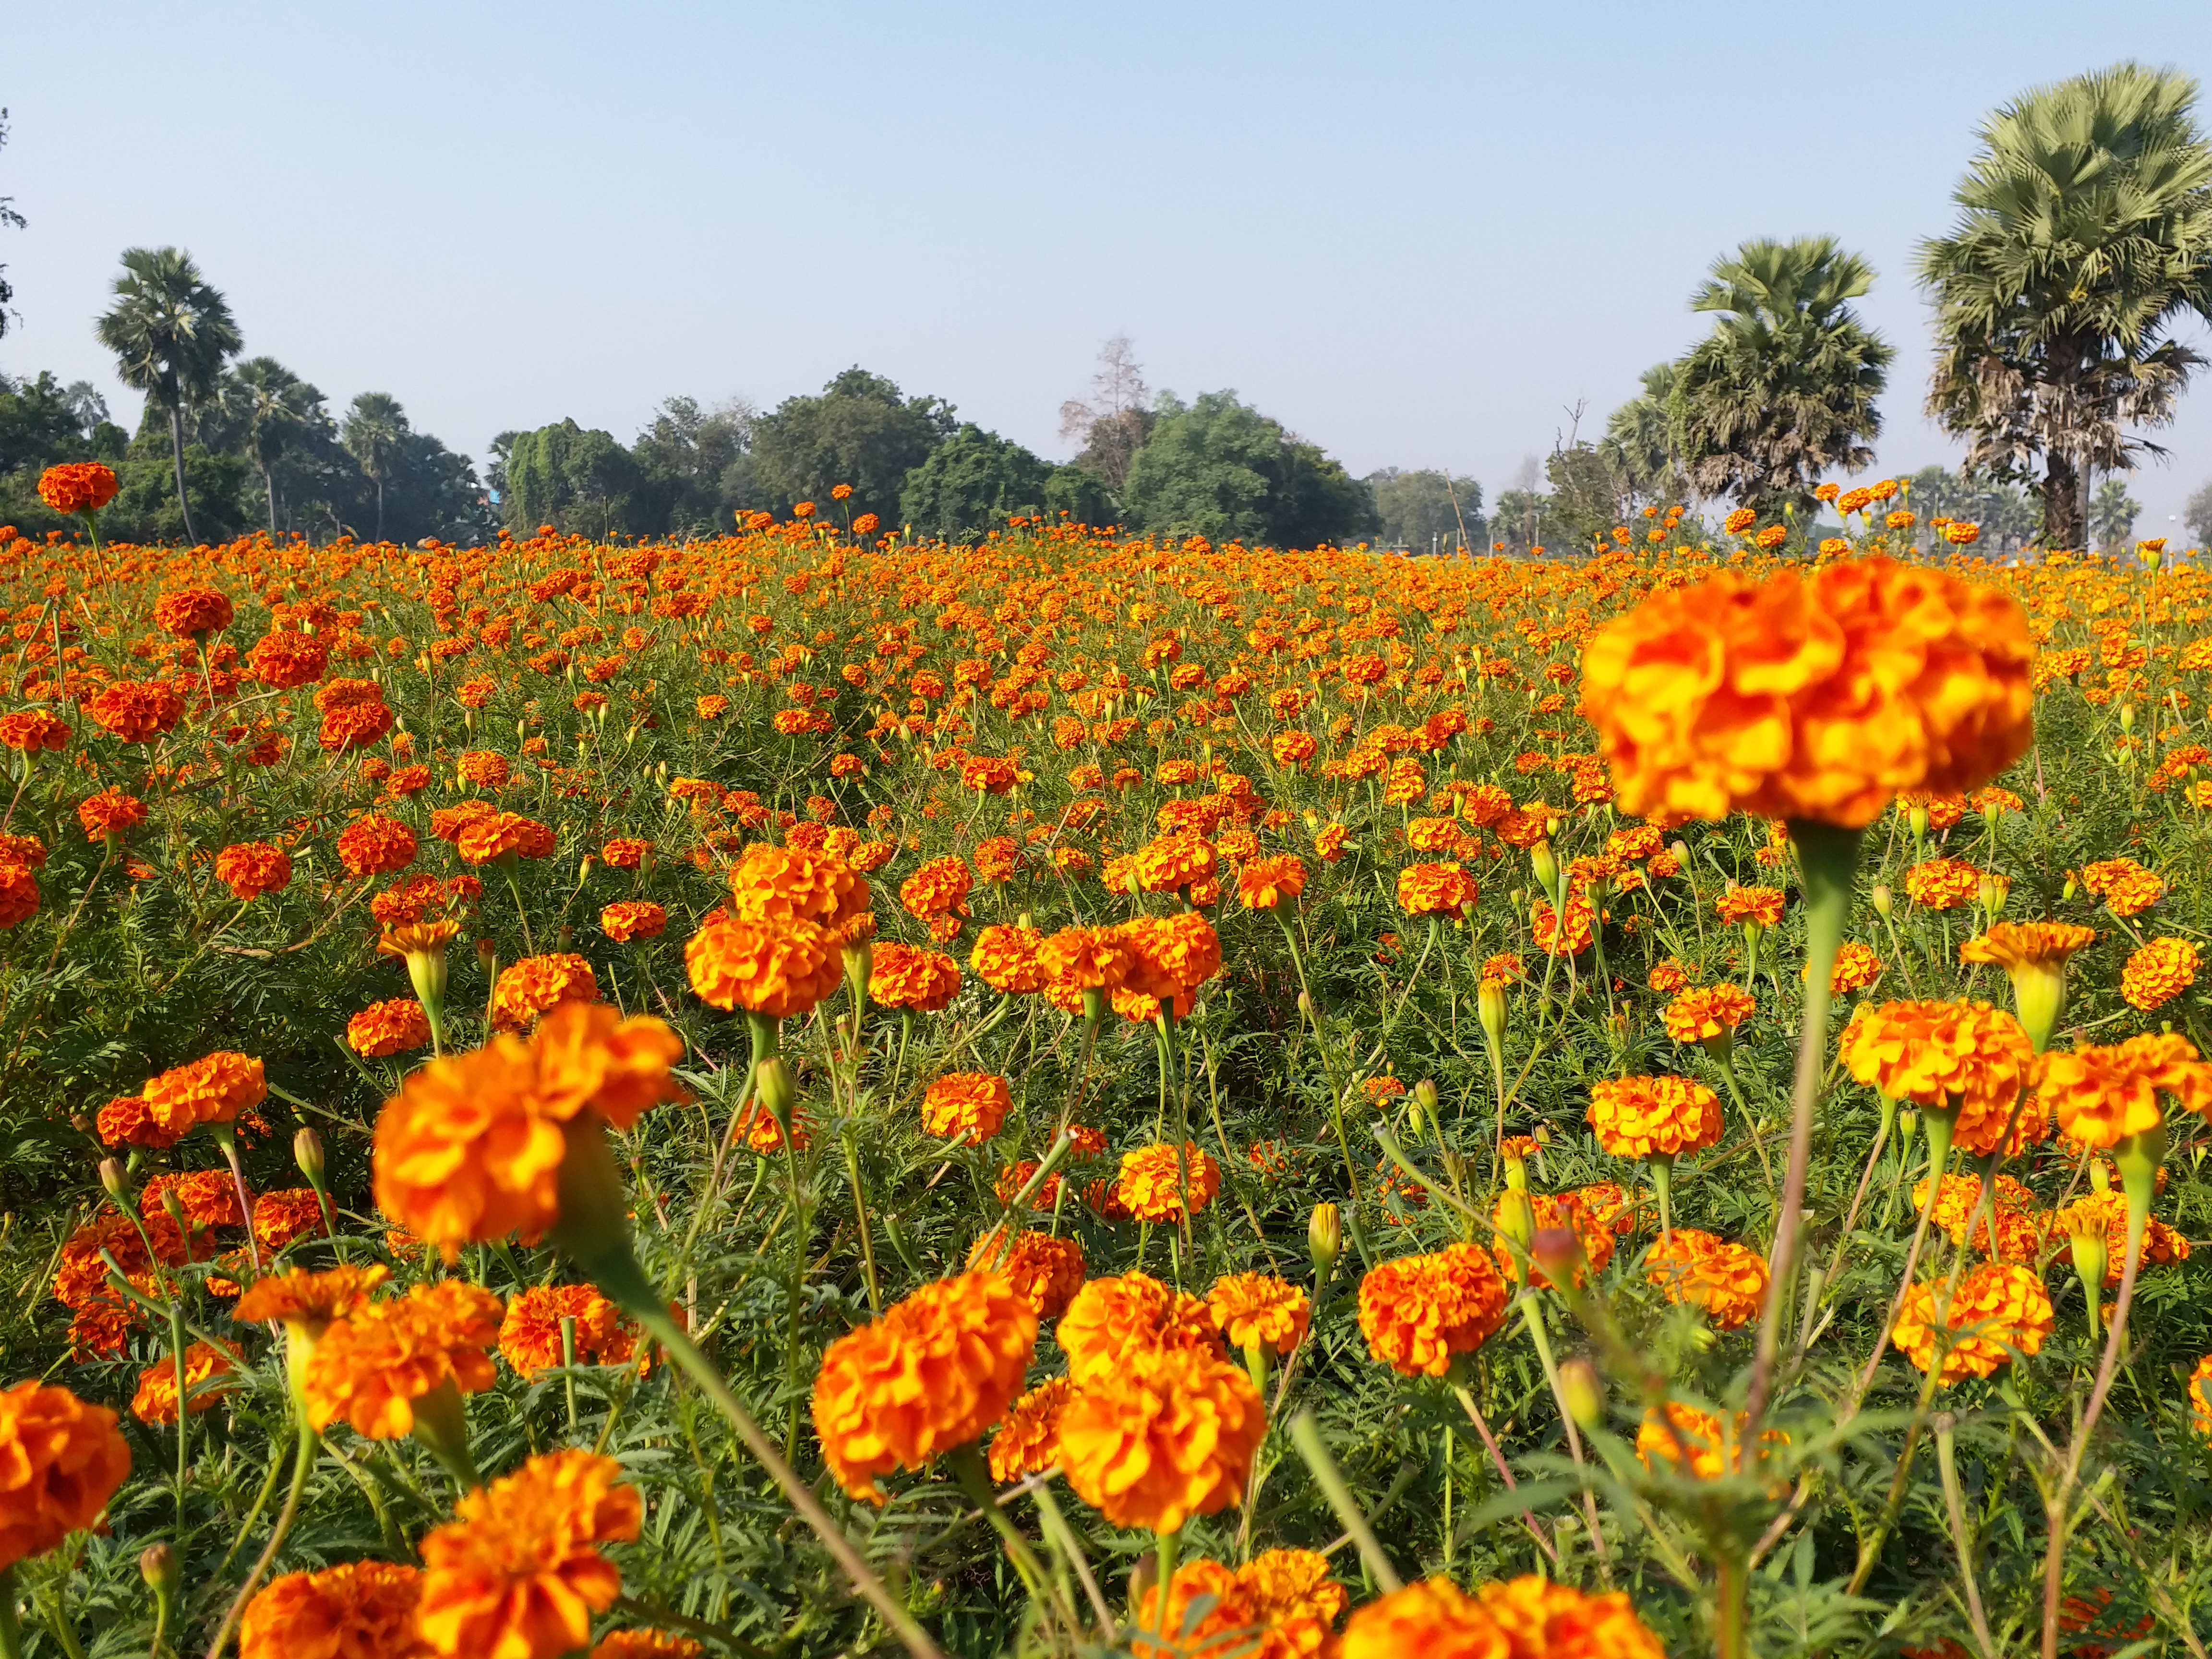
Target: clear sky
(1417, 234)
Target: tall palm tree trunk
(379, 509)
(177, 454)
(269, 483)
(2062, 501)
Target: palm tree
(1782, 389)
(170, 333)
(270, 404)
(2084, 240)
(374, 427)
(1639, 437)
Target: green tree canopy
(697, 465)
(1427, 509)
(1640, 443)
(171, 334)
(1782, 389)
(2007, 518)
(971, 483)
(1218, 468)
(581, 481)
(374, 428)
(860, 431)
(2084, 240)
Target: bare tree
(1112, 421)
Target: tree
(171, 333)
(860, 431)
(1782, 389)
(374, 428)
(971, 483)
(1426, 509)
(1639, 442)
(42, 422)
(1116, 419)
(2197, 515)
(2112, 515)
(580, 481)
(271, 407)
(697, 465)
(2084, 240)
(11, 220)
(1591, 493)
(1218, 468)
(2006, 518)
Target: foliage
(1114, 421)
(2007, 516)
(1218, 468)
(171, 333)
(971, 484)
(2197, 516)
(697, 465)
(861, 431)
(2112, 515)
(573, 479)
(1425, 511)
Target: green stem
(974, 1479)
(1733, 1581)
(303, 1459)
(11, 1630)
(1305, 1435)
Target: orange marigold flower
(2158, 972)
(1112, 1322)
(1425, 889)
(307, 1303)
(1645, 1116)
(110, 812)
(2126, 887)
(1857, 968)
(1259, 1310)
(1699, 1269)
(19, 895)
(933, 1373)
(966, 1106)
(1942, 883)
(1997, 1310)
(1087, 958)
(938, 887)
(624, 853)
(772, 884)
(192, 611)
(1171, 956)
(372, 1366)
(499, 834)
(1264, 883)
(901, 977)
(1567, 1210)
(74, 487)
(778, 969)
(1815, 695)
(1540, 1619)
(2103, 1093)
(517, 1574)
(1709, 1447)
(1295, 1599)
(137, 711)
(288, 1214)
(1170, 1435)
(1158, 1183)
(355, 1610)
(2198, 1398)
(1938, 1056)
(641, 1644)
(1760, 905)
(33, 729)
(2106, 1213)
(530, 1330)
(1009, 959)
(1571, 936)
(2019, 1232)
(374, 845)
(633, 919)
(392, 1027)
(1706, 1014)
(287, 659)
(1047, 1271)
(536, 985)
(214, 1089)
(1419, 1311)
(1208, 1614)
(155, 1402)
(1028, 1440)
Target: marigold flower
(624, 853)
(939, 888)
(1295, 1599)
(2105, 1214)
(1171, 956)
(307, 1303)
(1158, 1184)
(1540, 1619)
(966, 1106)
(529, 1329)
(355, 1610)
(2126, 887)
(137, 711)
(61, 1459)
(155, 1402)
(1258, 1310)
(19, 895)
(1648, 1116)
(1264, 883)
(517, 1575)
(1419, 1311)
(371, 1366)
(633, 919)
(286, 659)
(2201, 1417)
(1997, 1310)
(1712, 1448)
(1046, 1270)
(1169, 1435)
(73, 487)
(1857, 968)
(1558, 1211)
(1757, 906)
(1813, 696)
(536, 984)
(1942, 883)
(1208, 1614)
(2019, 1232)
(1087, 958)
(2103, 1093)
(1568, 934)
(774, 883)
(374, 845)
(33, 729)
(2158, 972)
(110, 812)
(1028, 1440)
(1707, 1014)
(500, 835)
(1698, 1269)
(390, 1027)
(192, 611)
(901, 976)
(1967, 1056)
(932, 1374)
(1426, 890)
(777, 969)
(214, 1089)
(287, 1214)
(1009, 959)
(1112, 1322)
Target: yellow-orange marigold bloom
(2106, 1213)
(355, 1610)
(1997, 1310)
(1760, 905)
(307, 1303)
(1259, 1310)
(137, 711)
(1046, 1270)
(1170, 956)
(373, 845)
(392, 1027)
(466, 1150)
(933, 1373)
(1645, 1116)
(1713, 1447)
(1433, 1619)
(2102, 1093)
(250, 868)
(32, 730)
(774, 883)
(1942, 883)
(778, 969)
(938, 889)
(2019, 1230)
(1703, 1013)
(1207, 1614)
(1966, 1055)
(517, 1574)
(1264, 883)
(60, 1461)
(536, 985)
(1168, 1436)
(1028, 1440)
(287, 659)
(373, 1365)
(1540, 1619)
(1087, 958)
(529, 1329)
(2126, 887)
(901, 977)
(2201, 1417)
(2158, 972)
(74, 487)
(641, 1644)
(633, 919)
(155, 1401)
(1815, 696)
(1857, 968)
(1427, 890)
(214, 1089)
(1298, 1602)
(1570, 1211)
(1112, 1322)
(1419, 1311)
(1699, 1269)
(499, 834)
(192, 610)
(1009, 959)
(1159, 1184)
(287, 1213)
(966, 1106)
(110, 812)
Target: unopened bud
(777, 1090)
(1584, 1390)
(307, 1153)
(158, 1566)
(1680, 849)
(1490, 1010)
(1544, 864)
(1324, 1240)
(113, 1178)
(1559, 1253)
(1424, 1094)
(2127, 717)
(1882, 902)
(1917, 816)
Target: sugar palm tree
(374, 428)
(1782, 389)
(271, 405)
(2084, 240)
(1639, 437)
(170, 333)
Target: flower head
(1997, 1310)
(537, 984)
(1259, 1310)
(1645, 1116)
(1028, 1440)
(1419, 1311)
(74, 487)
(1168, 1436)
(1112, 1323)
(388, 1028)
(60, 1461)
(214, 1089)
(372, 1366)
(778, 969)
(901, 976)
(355, 1610)
(1963, 1056)
(1707, 1014)
(1047, 1271)
(2103, 1093)
(966, 1106)
(155, 1401)
(529, 1329)
(2158, 972)
(1699, 1269)
(1009, 959)
(1162, 1184)
(307, 1302)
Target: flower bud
(1544, 864)
(1917, 816)
(158, 1566)
(1584, 1390)
(113, 1178)
(1680, 849)
(1490, 1010)
(1324, 1240)
(778, 1090)
(1559, 1253)
(1881, 896)
(2127, 717)
(1424, 1094)
(307, 1153)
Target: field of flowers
(804, 1094)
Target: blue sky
(1417, 234)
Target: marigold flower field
(804, 1093)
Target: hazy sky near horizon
(1417, 234)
